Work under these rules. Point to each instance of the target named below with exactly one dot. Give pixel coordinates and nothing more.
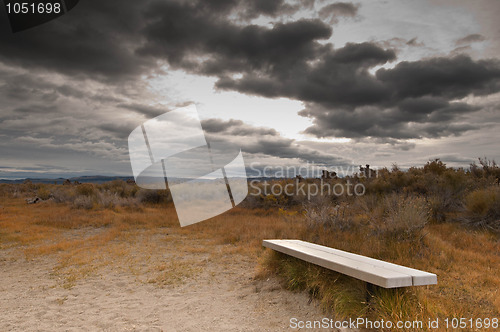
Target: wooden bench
(368, 269)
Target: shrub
(83, 202)
(439, 205)
(120, 187)
(44, 193)
(480, 201)
(85, 189)
(6, 189)
(405, 216)
(490, 167)
(63, 194)
(488, 172)
(482, 208)
(151, 196)
(107, 200)
(324, 212)
(435, 166)
(110, 200)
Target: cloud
(454, 158)
(94, 40)
(340, 77)
(452, 78)
(289, 149)
(270, 8)
(53, 118)
(414, 42)
(286, 59)
(333, 11)
(400, 45)
(118, 131)
(235, 128)
(259, 141)
(412, 100)
(414, 118)
(469, 39)
(146, 110)
(84, 72)
(212, 45)
(101, 39)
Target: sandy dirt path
(221, 296)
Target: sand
(223, 295)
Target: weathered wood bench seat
(368, 269)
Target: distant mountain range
(102, 179)
(81, 179)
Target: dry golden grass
(466, 261)
(84, 241)
(174, 272)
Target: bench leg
(370, 290)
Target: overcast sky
(291, 82)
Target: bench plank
(418, 277)
(377, 272)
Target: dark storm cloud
(67, 90)
(287, 148)
(400, 44)
(452, 78)
(333, 11)
(146, 110)
(337, 85)
(35, 109)
(52, 118)
(414, 42)
(116, 40)
(235, 134)
(339, 78)
(273, 146)
(342, 79)
(15, 86)
(118, 130)
(211, 44)
(267, 7)
(473, 38)
(93, 40)
(411, 100)
(218, 125)
(413, 118)
(99, 39)
(235, 127)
